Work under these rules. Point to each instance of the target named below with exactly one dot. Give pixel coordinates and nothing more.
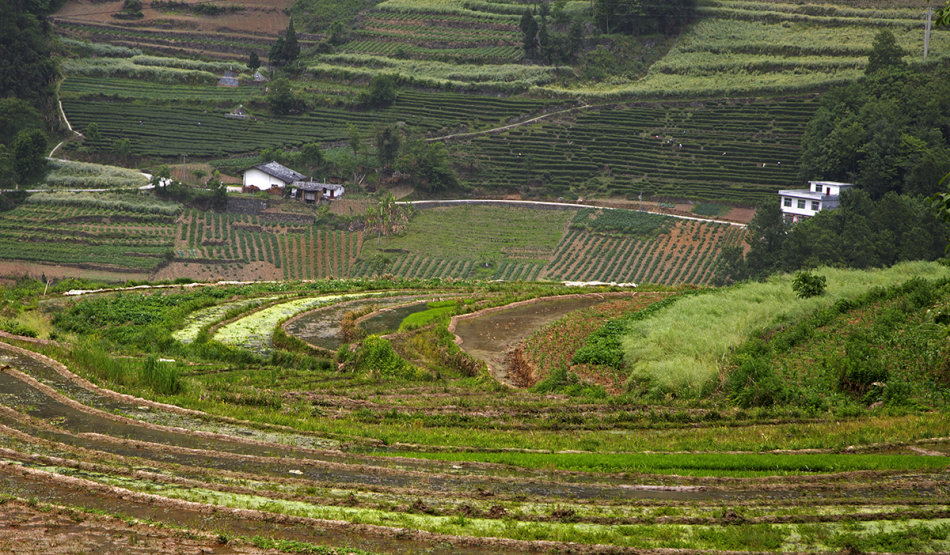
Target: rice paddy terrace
(220, 416)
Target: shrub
(376, 356)
(806, 284)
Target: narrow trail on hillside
(468, 134)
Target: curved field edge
(379, 413)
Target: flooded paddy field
(260, 448)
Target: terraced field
(295, 453)
(95, 239)
(737, 151)
(156, 128)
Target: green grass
(680, 349)
(698, 464)
(437, 310)
(478, 233)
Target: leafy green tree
(281, 98)
(545, 44)
(529, 32)
(354, 139)
(92, 132)
(253, 61)
(767, 233)
(806, 284)
(311, 156)
(382, 90)
(428, 164)
(27, 70)
(276, 53)
(885, 53)
(942, 15)
(161, 177)
(29, 156)
(17, 115)
(291, 47)
(885, 134)
(122, 147)
(285, 49)
(575, 40)
(388, 142)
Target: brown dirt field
(250, 271)
(260, 16)
(47, 529)
(351, 207)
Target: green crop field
(92, 236)
(738, 151)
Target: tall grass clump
(161, 377)
(681, 348)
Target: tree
(529, 31)
(291, 47)
(884, 53)
(544, 42)
(29, 156)
(311, 156)
(806, 284)
(382, 90)
(285, 49)
(388, 141)
(575, 40)
(92, 132)
(281, 98)
(122, 147)
(27, 70)
(766, 235)
(17, 115)
(161, 177)
(428, 164)
(276, 53)
(942, 15)
(253, 61)
(354, 139)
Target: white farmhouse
(269, 176)
(798, 204)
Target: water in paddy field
(321, 327)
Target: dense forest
(27, 82)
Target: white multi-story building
(798, 204)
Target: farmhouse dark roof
(282, 173)
(314, 186)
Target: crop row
(302, 252)
(478, 54)
(85, 235)
(157, 129)
(737, 151)
(686, 254)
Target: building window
(787, 202)
(815, 205)
(801, 204)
